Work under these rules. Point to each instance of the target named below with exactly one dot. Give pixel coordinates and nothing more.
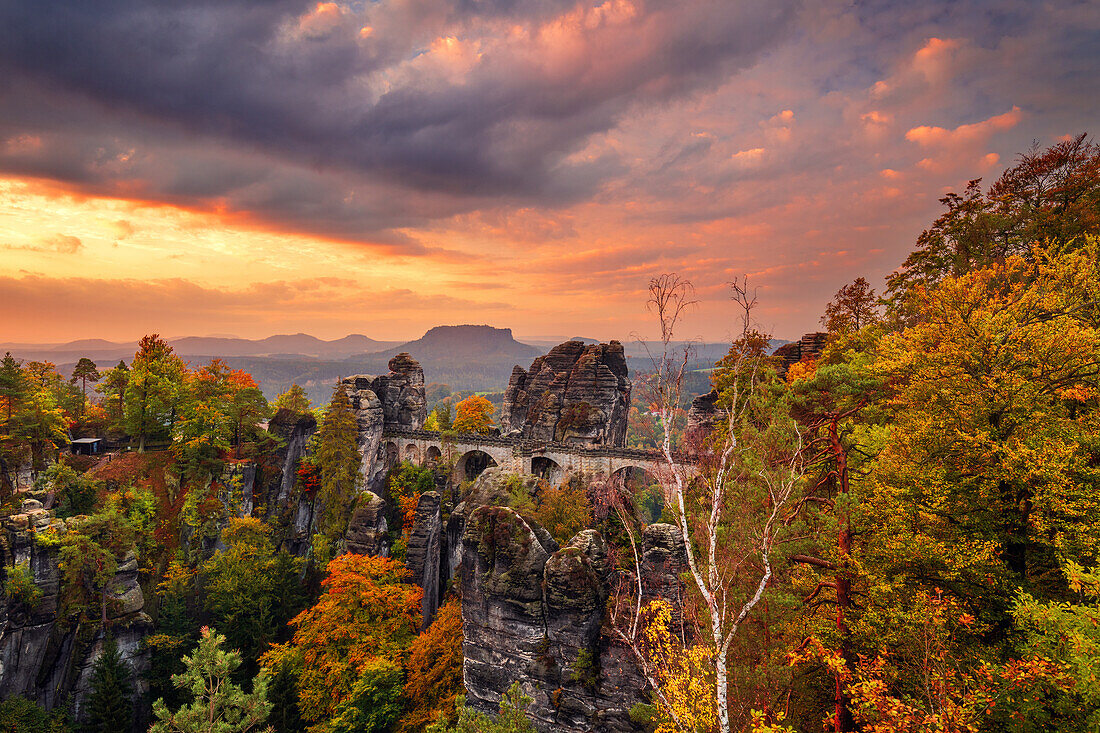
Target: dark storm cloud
(310, 84)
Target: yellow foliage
(684, 676)
(804, 369)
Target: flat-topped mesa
(576, 393)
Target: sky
(380, 167)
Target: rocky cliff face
(43, 658)
(574, 394)
(424, 553)
(807, 347)
(533, 612)
(393, 400)
(368, 530)
(294, 432)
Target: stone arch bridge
(473, 453)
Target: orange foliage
(368, 613)
(408, 512)
(149, 471)
(804, 369)
(434, 669)
(473, 415)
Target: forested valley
(899, 531)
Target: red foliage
(309, 476)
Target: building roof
(87, 441)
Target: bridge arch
(433, 454)
(472, 463)
(391, 454)
(412, 454)
(547, 469)
(645, 486)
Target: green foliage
(20, 715)
(1050, 196)
(282, 691)
(1070, 633)
(218, 705)
(251, 589)
(21, 587)
(442, 418)
(586, 669)
(336, 454)
(88, 560)
(408, 479)
(152, 390)
(113, 388)
(76, 491)
(375, 702)
(294, 399)
(109, 706)
(175, 634)
(561, 510)
(511, 719)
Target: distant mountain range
(466, 357)
(299, 344)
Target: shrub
(21, 586)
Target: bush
(20, 715)
(21, 586)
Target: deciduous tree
(348, 648)
(853, 307)
(473, 415)
(728, 506)
(153, 390)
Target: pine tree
(109, 705)
(219, 705)
(85, 369)
(13, 385)
(337, 456)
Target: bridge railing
(531, 446)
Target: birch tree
(727, 497)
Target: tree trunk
(842, 716)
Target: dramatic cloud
(554, 153)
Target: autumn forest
(890, 526)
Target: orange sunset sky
(248, 168)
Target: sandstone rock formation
(424, 553)
(702, 416)
(533, 612)
(293, 432)
(48, 661)
(368, 530)
(370, 417)
(807, 347)
(575, 394)
(402, 393)
(393, 400)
